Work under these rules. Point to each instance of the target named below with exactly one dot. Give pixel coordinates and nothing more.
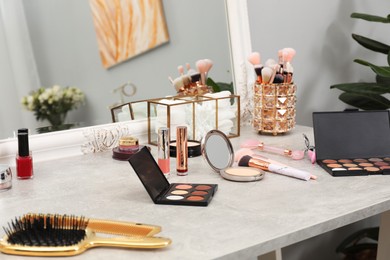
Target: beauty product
(128, 144)
(249, 161)
(5, 177)
(217, 150)
(181, 151)
(24, 161)
(163, 150)
(161, 191)
(352, 143)
(193, 146)
(254, 144)
(120, 155)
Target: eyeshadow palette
(161, 191)
(353, 143)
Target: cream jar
(5, 177)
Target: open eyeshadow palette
(353, 143)
(161, 191)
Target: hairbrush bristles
(46, 230)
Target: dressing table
(244, 219)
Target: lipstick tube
(24, 164)
(163, 142)
(181, 151)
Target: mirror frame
(54, 145)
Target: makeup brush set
(68, 235)
(194, 81)
(274, 93)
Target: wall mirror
(235, 16)
(62, 42)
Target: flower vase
(56, 123)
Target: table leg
(383, 252)
(273, 255)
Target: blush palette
(353, 143)
(161, 191)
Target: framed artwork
(127, 28)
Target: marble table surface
(242, 221)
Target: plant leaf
(371, 18)
(381, 71)
(363, 88)
(383, 81)
(211, 83)
(388, 58)
(365, 101)
(371, 44)
(219, 86)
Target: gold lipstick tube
(181, 151)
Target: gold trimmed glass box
(274, 107)
(199, 113)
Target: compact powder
(179, 192)
(195, 198)
(183, 187)
(242, 171)
(203, 187)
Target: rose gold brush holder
(274, 107)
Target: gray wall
(65, 47)
(320, 31)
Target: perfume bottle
(24, 163)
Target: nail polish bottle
(24, 164)
(163, 150)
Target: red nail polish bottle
(24, 164)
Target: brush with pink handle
(254, 144)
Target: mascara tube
(163, 150)
(181, 151)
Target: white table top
(242, 221)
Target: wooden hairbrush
(64, 235)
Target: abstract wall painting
(127, 28)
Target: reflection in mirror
(54, 42)
(217, 150)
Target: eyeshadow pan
(199, 192)
(203, 187)
(372, 169)
(360, 160)
(381, 163)
(375, 159)
(329, 161)
(195, 198)
(366, 164)
(175, 197)
(179, 192)
(183, 186)
(387, 159)
(349, 165)
(334, 165)
(354, 169)
(345, 161)
(385, 167)
(338, 169)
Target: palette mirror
(64, 46)
(217, 150)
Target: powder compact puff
(217, 150)
(353, 143)
(161, 191)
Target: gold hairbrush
(64, 235)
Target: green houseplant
(369, 95)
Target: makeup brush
(209, 65)
(180, 68)
(266, 74)
(254, 144)
(201, 66)
(254, 59)
(288, 54)
(246, 151)
(249, 161)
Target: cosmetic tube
(163, 142)
(181, 151)
(24, 163)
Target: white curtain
(18, 71)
